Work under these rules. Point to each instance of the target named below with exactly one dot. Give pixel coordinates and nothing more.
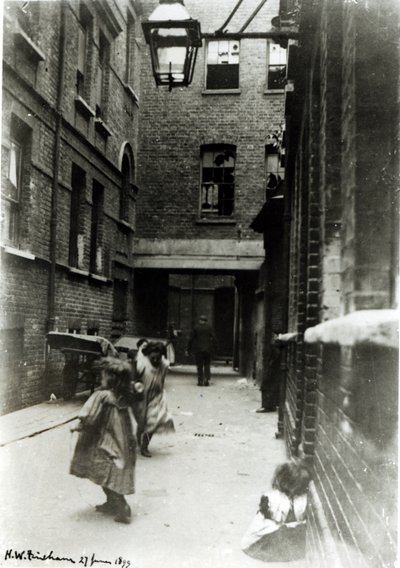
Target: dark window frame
(223, 73)
(13, 194)
(131, 54)
(102, 79)
(76, 228)
(85, 30)
(276, 72)
(217, 183)
(274, 175)
(96, 229)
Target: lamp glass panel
(171, 49)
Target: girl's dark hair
(155, 347)
(292, 478)
(141, 341)
(118, 373)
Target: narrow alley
(194, 498)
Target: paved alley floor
(194, 498)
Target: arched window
(217, 180)
(127, 170)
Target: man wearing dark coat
(202, 344)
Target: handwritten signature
(29, 555)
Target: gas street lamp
(174, 38)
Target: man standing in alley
(202, 345)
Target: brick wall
(175, 124)
(30, 85)
(354, 465)
(340, 187)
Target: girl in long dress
(105, 451)
(152, 413)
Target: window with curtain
(222, 64)
(217, 180)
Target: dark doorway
(224, 308)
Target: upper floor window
(125, 188)
(96, 233)
(130, 50)
(276, 77)
(82, 79)
(274, 169)
(15, 170)
(217, 180)
(223, 64)
(76, 223)
(101, 79)
(11, 189)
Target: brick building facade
(203, 164)
(340, 237)
(71, 79)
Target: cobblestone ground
(194, 500)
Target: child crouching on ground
(277, 533)
(105, 451)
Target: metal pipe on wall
(56, 167)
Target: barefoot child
(105, 451)
(277, 533)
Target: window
(14, 172)
(124, 194)
(130, 50)
(217, 180)
(101, 79)
(96, 263)
(12, 159)
(82, 80)
(78, 183)
(276, 67)
(274, 169)
(223, 65)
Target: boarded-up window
(223, 64)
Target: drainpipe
(287, 219)
(56, 167)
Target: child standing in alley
(105, 451)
